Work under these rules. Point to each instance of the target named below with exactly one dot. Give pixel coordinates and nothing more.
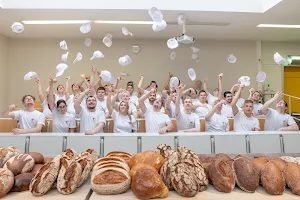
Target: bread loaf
(14, 149)
(279, 163)
(272, 179)
(6, 181)
(38, 157)
(148, 157)
(36, 168)
(113, 163)
(126, 156)
(138, 167)
(86, 168)
(168, 167)
(246, 175)
(69, 154)
(206, 162)
(147, 184)
(224, 157)
(45, 177)
(222, 175)
(22, 182)
(5, 155)
(292, 177)
(21, 163)
(69, 176)
(164, 150)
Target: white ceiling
(242, 26)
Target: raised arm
(214, 108)
(264, 108)
(232, 88)
(78, 101)
(109, 103)
(85, 81)
(205, 86)
(177, 103)
(251, 91)
(220, 96)
(9, 112)
(115, 85)
(140, 89)
(142, 100)
(235, 109)
(40, 90)
(185, 92)
(167, 83)
(92, 80)
(67, 94)
(50, 95)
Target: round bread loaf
(86, 168)
(138, 167)
(259, 164)
(246, 175)
(45, 177)
(147, 184)
(279, 163)
(38, 157)
(21, 163)
(6, 181)
(222, 175)
(69, 176)
(148, 157)
(124, 155)
(292, 177)
(168, 167)
(22, 182)
(164, 150)
(272, 179)
(224, 157)
(5, 155)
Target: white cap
(124, 74)
(172, 43)
(174, 82)
(87, 42)
(155, 14)
(195, 49)
(192, 74)
(63, 45)
(106, 76)
(125, 60)
(30, 75)
(78, 57)
(172, 55)
(158, 26)
(64, 57)
(85, 28)
(261, 76)
(279, 59)
(244, 80)
(107, 40)
(126, 32)
(60, 68)
(195, 56)
(97, 54)
(180, 19)
(231, 59)
(17, 27)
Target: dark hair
(227, 92)
(58, 86)
(286, 105)
(130, 83)
(60, 101)
(90, 97)
(28, 95)
(257, 92)
(155, 83)
(202, 91)
(100, 88)
(248, 101)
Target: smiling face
(123, 108)
(202, 97)
(91, 102)
(75, 88)
(100, 93)
(125, 97)
(60, 89)
(228, 98)
(152, 97)
(130, 89)
(61, 107)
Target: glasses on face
(91, 100)
(28, 98)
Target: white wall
(42, 56)
(3, 72)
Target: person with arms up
(277, 119)
(244, 119)
(187, 121)
(62, 121)
(233, 91)
(46, 111)
(156, 121)
(255, 97)
(215, 121)
(30, 120)
(123, 122)
(92, 120)
(217, 92)
(202, 108)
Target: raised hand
(12, 107)
(221, 76)
(279, 95)
(37, 80)
(68, 78)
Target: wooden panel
(231, 124)
(37, 104)
(142, 125)
(111, 126)
(7, 125)
(174, 122)
(261, 124)
(202, 125)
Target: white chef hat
(231, 59)
(158, 26)
(125, 60)
(192, 74)
(63, 45)
(60, 68)
(78, 57)
(85, 28)
(107, 40)
(244, 80)
(172, 43)
(174, 82)
(64, 57)
(261, 76)
(30, 75)
(97, 54)
(87, 42)
(126, 32)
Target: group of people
(101, 100)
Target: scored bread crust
(272, 179)
(111, 163)
(292, 177)
(86, 168)
(19, 164)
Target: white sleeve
(167, 119)
(290, 120)
(197, 120)
(146, 92)
(227, 125)
(102, 118)
(114, 115)
(17, 115)
(256, 125)
(72, 122)
(41, 119)
(134, 123)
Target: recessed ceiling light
(277, 26)
(122, 22)
(55, 21)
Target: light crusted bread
(93, 153)
(292, 177)
(6, 181)
(69, 154)
(69, 176)
(45, 177)
(86, 168)
(112, 163)
(148, 157)
(272, 179)
(126, 156)
(21, 163)
(104, 159)
(168, 167)
(5, 155)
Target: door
(291, 86)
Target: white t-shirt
(149, 106)
(240, 102)
(101, 105)
(90, 120)
(46, 111)
(244, 123)
(227, 110)
(70, 107)
(256, 108)
(172, 109)
(29, 119)
(123, 124)
(217, 123)
(62, 123)
(187, 121)
(155, 121)
(276, 120)
(201, 111)
(57, 97)
(211, 99)
(195, 102)
(134, 100)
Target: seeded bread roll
(272, 179)
(6, 181)
(292, 177)
(21, 163)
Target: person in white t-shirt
(214, 120)
(92, 120)
(125, 97)
(30, 120)
(278, 120)
(170, 105)
(187, 121)
(62, 122)
(156, 121)
(123, 122)
(255, 97)
(244, 119)
(227, 108)
(202, 108)
(240, 101)
(151, 86)
(101, 101)
(217, 92)
(133, 98)
(46, 111)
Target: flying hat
(244, 80)
(64, 57)
(30, 75)
(231, 59)
(107, 40)
(60, 68)
(174, 82)
(261, 76)
(97, 54)
(192, 74)
(172, 43)
(85, 28)
(126, 32)
(87, 42)
(125, 60)
(63, 45)
(78, 57)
